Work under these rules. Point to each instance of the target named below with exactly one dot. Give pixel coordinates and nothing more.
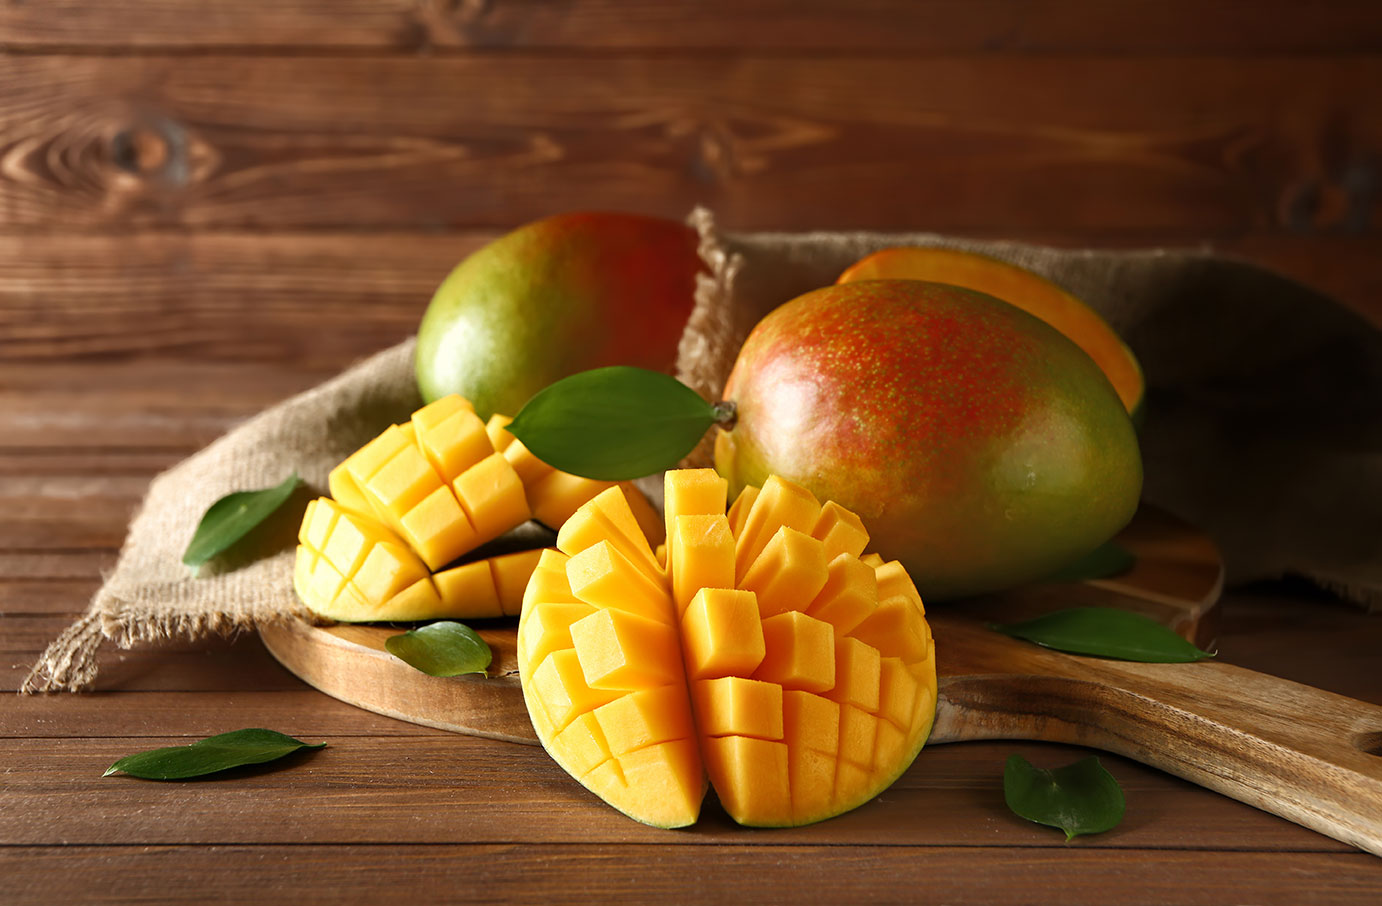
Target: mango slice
(352, 568)
(417, 498)
(759, 650)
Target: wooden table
(207, 207)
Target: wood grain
(299, 711)
(371, 789)
(262, 298)
(164, 404)
(580, 874)
(225, 666)
(949, 143)
(207, 207)
(928, 26)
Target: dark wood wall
(199, 185)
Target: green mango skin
(554, 297)
(980, 446)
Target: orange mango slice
(760, 653)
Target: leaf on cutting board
(1105, 561)
(233, 517)
(207, 756)
(445, 648)
(1105, 632)
(614, 424)
(1080, 798)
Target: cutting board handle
(1310, 756)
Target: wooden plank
(666, 872)
(955, 143)
(316, 301)
(1262, 629)
(322, 301)
(368, 790)
(927, 26)
(46, 596)
(88, 462)
(300, 712)
(165, 403)
(205, 665)
(67, 512)
(44, 565)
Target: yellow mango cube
(751, 777)
(623, 651)
(700, 555)
(642, 718)
(734, 706)
(799, 653)
(841, 531)
(721, 634)
(788, 574)
(469, 588)
(602, 576)
(492, 497)
(693, 492)
(849, 596)
(779, 504)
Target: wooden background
(205, 207)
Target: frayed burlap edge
(150, 596)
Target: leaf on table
(1105, 561)
(233, 517)
(1105, 632)
(614, 424)
(207, 756)
(1080, 798)
(444, 648)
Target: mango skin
(979, 445)
(557, 296)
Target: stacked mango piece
(417, 498)
(759, 648)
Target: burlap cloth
(1263, 426)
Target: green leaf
(207, 756)
(1105, 632)
(1106, 560)
(441, 649)
(614, 423)
(1080, 798)
(232, 517)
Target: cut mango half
(1020, 287)
(761, 653)
(352, 568)
(410, 503)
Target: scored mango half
(763, 651)
(420, 496)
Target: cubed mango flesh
(429, 492)
(761, 650)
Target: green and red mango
(554, 297)
(981, 447)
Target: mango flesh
(1018, 286)
(800, 684)
(557, 296)
(417, 498)
(982, 448)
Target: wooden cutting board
(1307, 755)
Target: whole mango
(980, 446)
(560, 295)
